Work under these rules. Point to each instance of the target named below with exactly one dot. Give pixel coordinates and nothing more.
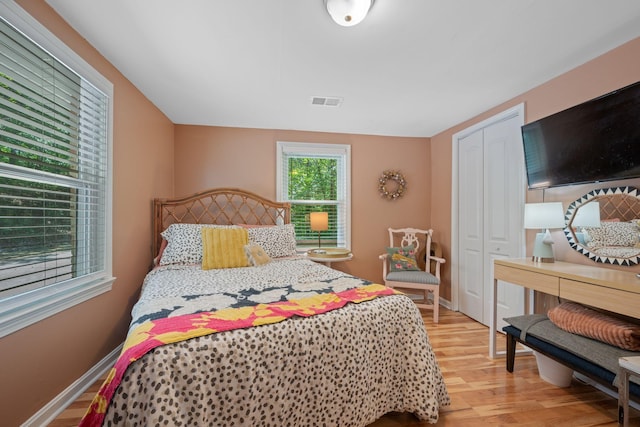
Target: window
(55, 175)
(316, 178)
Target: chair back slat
(419, 238)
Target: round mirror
(604, 225)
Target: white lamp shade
(348, 12)
(543, 215)
(587, 215)
(319, 221)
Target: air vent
(326, 101)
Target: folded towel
(581, 320)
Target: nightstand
(329, 255)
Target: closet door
(471, 225)
(491, 196)
(503, 213)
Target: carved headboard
(221, 206)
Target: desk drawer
(536, 281)
(614, 300)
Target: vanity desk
(612, 290)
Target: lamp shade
(319, 221)
(587, 215)
(348, 12)
(543, 215)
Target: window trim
(22, 310)
(313, 148)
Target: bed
(276, 340)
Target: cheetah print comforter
(345, 367)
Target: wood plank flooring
(482, 392)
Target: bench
(593, 359)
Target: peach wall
(613, 70)
(40, 361)
(209, 157)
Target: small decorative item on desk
(329, 255)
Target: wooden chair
(427, 279)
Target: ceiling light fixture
(348, 12)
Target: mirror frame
(594, 194)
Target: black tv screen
(598, 140)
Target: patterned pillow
(595, 236)
(256, 255)
(277, 241)
(403, 258)
(613, 234)
(622, 233)
(184, 243)
(224, 248)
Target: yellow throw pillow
(257, 255)
(224, 248)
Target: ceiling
(412, 68)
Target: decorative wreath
(400, 185)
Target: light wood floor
(482, 392)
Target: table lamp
(319, 222)
(543, 216)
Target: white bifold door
(490, 207)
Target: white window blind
(54, 175)
(316, 178)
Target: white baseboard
(52, 409)
(444, 303)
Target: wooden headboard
(623, 207)
(223, 206)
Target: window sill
(23, 310)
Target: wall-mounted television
(598, 140)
